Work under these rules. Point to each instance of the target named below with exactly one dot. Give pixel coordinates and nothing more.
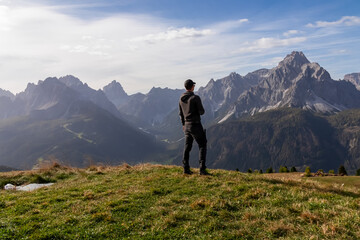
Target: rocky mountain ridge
(66, 120)
(218, 95)
(296, 82)
(5, 93)
(354, 78)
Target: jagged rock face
(254, 78)
(98, 97)
(218, 95)
(71, 81)
(296, 82)
(354, 78)
(45, 95)
(6, 104)
(48, 94)
(4, 93)
(115, 93)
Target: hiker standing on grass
(190, 109)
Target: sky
(161, 43)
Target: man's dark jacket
(190, 108)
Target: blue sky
(146, 43)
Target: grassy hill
(159, 202)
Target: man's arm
(199, 106)
(181, 115)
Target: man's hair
(188, 84)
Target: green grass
(349, 181)
(159, 202)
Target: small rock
(33, 186)
(9, 186)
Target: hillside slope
(159, 202)
(92, 135)
(284, 137)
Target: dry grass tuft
(281, 230)
(310, 217)
(89, 195)
(200, 203)
(328, 229)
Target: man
(190, 109)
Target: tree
(307, 172)
(283, 169)
(342, 170)
(293, 169)
(269, 170)
(249, 170)
(261, 171)
(358, 172)
(332, 171)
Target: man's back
(190, 108)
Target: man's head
(189, 85)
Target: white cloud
(229, 25)
(173, 34)
(291, 33)
(344, 21)
(42, 42)
(39, 41)
(4, 19)
(268, 43)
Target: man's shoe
(204, 172)
(188, 171)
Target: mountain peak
(6, 94)
(70, 81)
(234, 74)
(114, 88)
(295, 59)
(354, 78)
(115, 93)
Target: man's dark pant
(195, 131)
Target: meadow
(160, 202)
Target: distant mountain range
(293, 114)
(66, 120)
(147, 110)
